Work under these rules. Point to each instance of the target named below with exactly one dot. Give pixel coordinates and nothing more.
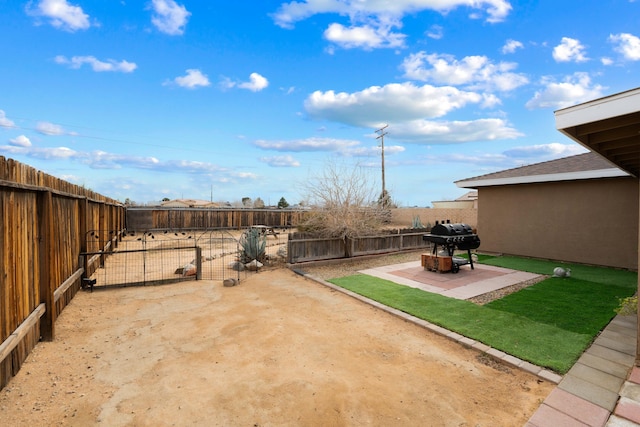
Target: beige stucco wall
(455, 204)
(403, 217)
(589, 221)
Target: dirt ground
(276, 350)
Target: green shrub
(628, 306)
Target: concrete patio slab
(465, 284)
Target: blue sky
(225, 100)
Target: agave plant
(253, 244)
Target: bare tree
(258, 203)
(343, 202)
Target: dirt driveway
(276, 350)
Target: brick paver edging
(466, 342)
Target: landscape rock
(236, 266)
(254, 265)
(561, 272)
(189, 270)
(227, 283)
(282, 252)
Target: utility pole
(381, 133)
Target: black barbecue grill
(451, 236)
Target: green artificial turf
(570, 304)
(605, 276)
(549, 324)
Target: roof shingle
(579, 163)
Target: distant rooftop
(582, 166)
(470, 195)
(191, 203)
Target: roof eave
(606, 118)
(532, 179)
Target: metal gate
(160, 256)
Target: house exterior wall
(588, 221)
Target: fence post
(198, 263)
(83, 208)
(45, 249)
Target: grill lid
(458, 229)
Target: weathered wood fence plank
(14, 339)
(43, 225)
(303, 248)
(158, 218)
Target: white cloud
(169, 17)
(477, 72)
(393, 102)
(574, 89)
(372, 22)
(20, 141)
(243, 175)
(372, 151)
(448, 132)
(193, 79)
(516, 157)
(344, 147)
(511, 46)
(626, 44)
(435, 32)
(391, 149)
(226, 83)
(486, 162)
(409, 110)
(308, 144)
(606, 61)
(97, 65)
(553, 149)
(569, 50)
(359, 10)
(61, 14)
(255, 84)
(4, 121)
(41, 153)
(366, 37)
(105, 160)
(47, 128)
(280, 161)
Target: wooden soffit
(609, 126)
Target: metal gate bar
(161, 256)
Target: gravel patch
(342, 268)
(501, 293)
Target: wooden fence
(304, 247)
(44, 223)
(157, 218)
